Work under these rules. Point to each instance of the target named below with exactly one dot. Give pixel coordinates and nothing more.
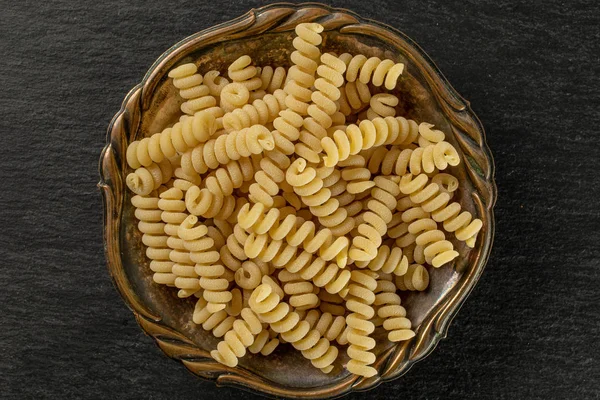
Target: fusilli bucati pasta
(294, 205)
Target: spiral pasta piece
(202, 202)
(305, 62)
(382, 105)
(265, 343)
(154, 238)
(241, 71)
(145, 180)
(287, 131)
(356, 176)
(172, 205)
(228, 147)
(388, 260)
(359, 301)
(185, 134)
(249, 276)
(295, 231)
(317, 270)
(364, 246)
(391, 312)
(374, 70)
(234, 95)
(323, 106)
(219, 323)
(215, 288)
(436, 249)
(183, 181)
(329, 326)
(269, 178)
(354, 96)
(269, 308)
(302, 294)
(231, 176)
(434, 198)
(215, 82)
(415, 279)
(236, 340)
(368, 134)
(261, 111)
(310, 188)
(272, 79)
(428, 135)
(232, 253)
(189, 83)
(331, 303)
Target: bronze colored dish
(265, 34)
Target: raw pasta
(295, 206)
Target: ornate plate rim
(467, 128)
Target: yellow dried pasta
(296, 206)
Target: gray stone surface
(530, 69)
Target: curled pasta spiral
(295, 230)
(269, 308)
(225, 179)
(240, 71)
(357, 177)
(227, 147)
(310, 188)
(428, 135)
(329, 326)
(153, 229)
(216, 288)
(322, 108)
(250, 274)
(189, 83)
(183, 181)
(303, 294)
(144, 180)
(382, 105)
(203, 203)
(392, 313)
(434, 199)
(234, 95)
(193, 240)
(272, 79)
(374, 70)
(379, 214)
(238, 338)
(353, 97)
(317, 270)
(368, 134)
(232, 254)
(331, 303)
(261, 111)
(302, 73)
(215, 82)
(219, 323)
(416, 278)
(359, 301)
(268, 178)
(287, 131)
(185, 134)
(172, 205)
(389, 261)
(436, 249)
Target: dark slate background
(531, 71)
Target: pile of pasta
(294, 204)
